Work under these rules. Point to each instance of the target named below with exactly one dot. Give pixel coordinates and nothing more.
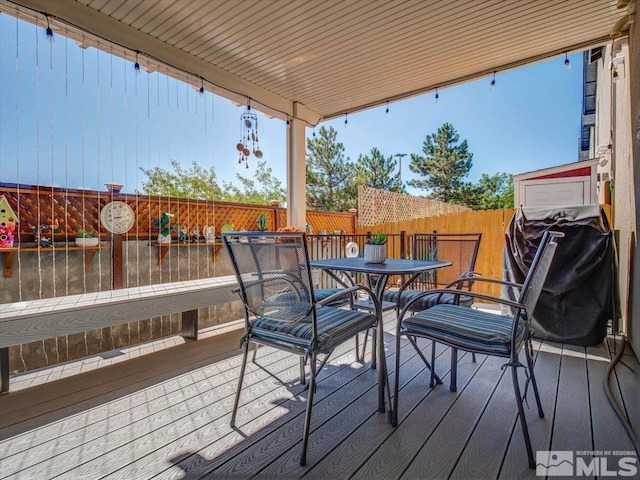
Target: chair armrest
(442, 291)
(474, 279)
(337, 295)
(351, 290)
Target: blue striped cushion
(464, 328)
(320, 294)
(425, 302)
(334, 326)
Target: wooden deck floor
(166, 415)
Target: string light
(346, 121)
(136, 66)
(386, 112)
(437, 96)
(567, 63)
(313, 134)
(201, 91)
(50, 37)
(493, 81)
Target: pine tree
(331, 178)
(377, 171)
(445, 164)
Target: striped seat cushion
(425, 302)
(334, 326)
(464, 328)
(289, 298)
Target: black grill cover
(577, 301)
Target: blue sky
(82, 118)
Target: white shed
(570, 184)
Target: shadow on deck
(166, 415)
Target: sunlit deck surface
(166, 415)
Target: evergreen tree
(377, 171)
(445, 164)
(331, 178)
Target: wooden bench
(35, 320)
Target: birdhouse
(8, 224)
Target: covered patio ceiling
(317, 59)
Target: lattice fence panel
(330, 222)
(71, 210)
(380, 206)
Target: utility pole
(399, 157)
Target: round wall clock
(117, 217)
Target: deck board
(166, 415)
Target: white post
(296, 174)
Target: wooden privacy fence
(62, 212)
(491, 223)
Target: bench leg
(4, 369)
(190, 325)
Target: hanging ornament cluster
(249, 142)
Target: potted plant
(164, 224)
(86, 238)
(375, 250)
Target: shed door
(554, 194)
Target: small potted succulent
(86, 238)
(375, 250)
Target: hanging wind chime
(249, 142)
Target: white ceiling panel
(322, 58)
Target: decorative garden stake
(8, 224)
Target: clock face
(117, 217)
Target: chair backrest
(534, 281)
(273, 273)
(461, 249)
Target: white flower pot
(375, 253)
(164, 238)
(87, 242)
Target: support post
(296, 174)
(4, 369)
(190, 325)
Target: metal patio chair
(482, 332)
(281, 310)
(461, 249)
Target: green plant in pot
(86, 238)
(164, 225)
(261, 223)
(375, 250)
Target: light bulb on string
(346, 120)
(493, 81)
(50, 37)
(136, 66)
(615, 75)
(437, 96)
(201, 91)
(567, 63)
(386, 112)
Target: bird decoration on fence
(249, 142)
